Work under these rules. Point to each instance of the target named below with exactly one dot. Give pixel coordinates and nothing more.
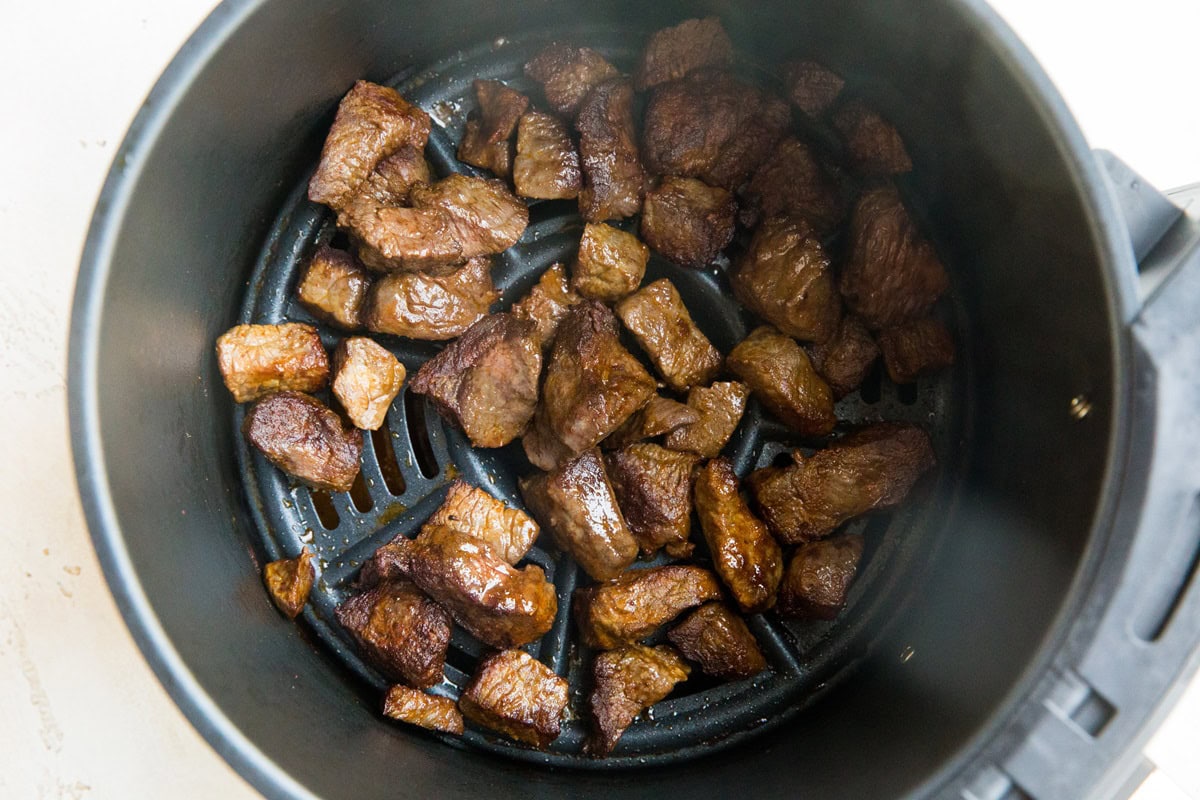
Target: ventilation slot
(360, 495)
(461, 660)
(872, 385)
(325, 510)
(1093, 714)
(1176, 573)
(385, 454)
(907, 393)
(418, 434)
(340, 241)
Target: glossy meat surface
(818, 577)
(366, 379)
(546, 304)
(256, 360)
(516, 695)
(567, 74)
(659, 416)
(680, 352)
(610, 264)
(289, 582)
(547, 163)
(334, 287)
(434, 307)
(508, 531)
(613, 179)
(687, 221)
(424, 710)
(717, 638)
(637, 603)
(654, 490)
(625, 683)
(399, 630)
(780, 375)
(301, 436)
(485, 218)
(720, 407)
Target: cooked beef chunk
(256, 360)
(791, 182)
(639, 602)
(334, 287)
(486, 141)
(399, 630)
(673, 52)
(613, 179)
(819, 577)
(576, 503)
(547, 304)
(486, 381)
(659, 416)
(485, 217)
(393, 178)
(811, 87)
(366, 379)
(751, 144)
(717, 639)
(508, 531)
(476, 150)
(302, 437)
(567, 74)
(687, 221)
(892, 273)
(426, 710)
(873, 468)
(435, 307)
(654, 490)
(744, 555)
(785, 278)
(779, 374)
(912, 349)
(610, 264)
(289, 581)
(660, 322)
(395, 239)
(517, 695)
(873, 147)
(547, 164)
(625, 683)
(845, 359)
(720, 407)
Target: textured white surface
(83, 717)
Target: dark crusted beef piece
(289, 582)
(610, 264)
(302, 437)
(654, 490)
(845, 359)
(791, 182)
(811, 87)
(425, 710)
(717, 639)
(434, 307)
(546, 304)
(567, 74)
(659, 416)
(471, 510)
(476, 150)
(399, 630)
(873, 147)
(625, 683)
(334, 287)
(517, 695)
(547, 164)
(485, 217)
(751, 143)
(366, 379)
(639, 602)
(819, 577)
(912, 349)
(674, 52)
(613, 179)
(779, 374)
(256, 360)
(720, 407)
(486, 140)
(660, 322)
(688, 221)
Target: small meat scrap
(744, 554)
(659, 416)
(399, 630)
(720, 407)
(654, 490)
(401, 239)
(791, 182)
(289, 581)
(546, 304)
(717, 639)
(625, 683)
(517, 695)
(434, 307)
(428, 711)
(610, 264)
(474, 149)
(892, 273)
(613, 179)
(486, 140)
(660, 322)
(845, 359)
(639, 602)
(818, 577)
(874, 148)
(871, 469)
(785, 277)
(393, 179)
(485, 217)
(298, 434)
(366, 379)
(912, 349)
(779, 374)
(567, 74)
(334, 287)
(547, 163)
(508, 531)
(256, 360)
(687, 221)
(812, 87)
(673, 52)
(576, 503)
(486, 381)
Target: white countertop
(83, 717)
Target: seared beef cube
(639, 602)
(334, 287)
(785, 278)
(486, 381)
(720, 407)
(474, 149)
(751, 144)
(845, 359)
(302, 437)
(546, 304)
(434, 307)
(256, 360)
(576, 503)
(892, 273)
(393, 178)
(471, 510)
(547, 164)
(485, 141)
(425, 710)
(654, 490)
(791, 182)
(688, 221)
(517, 695)
(717, 639)
(289, 581)
(811, 87)
(391, 238)
(610, 265)
(913, 349)
(399, 630)
(819, 577)
(744, 555)
(659, 416)
(366, 379)
(613, 180)
(871, 469)
(660, 322)
(674, 52)
(625, 683)
(779, 374)
(485, 217)
(567, 74)
(873, 147)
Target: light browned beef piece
(779, 374)
(912, 349)
(687, 221)
(892, 273)
(639, 602)
(424, 710)
(717, 639)
(476, 150)
(393, 178)
(720, 407)
(567, 74)
(785, 278)
(547, 164)
(485, 217)
(811, 87)
(486, 381)
(845, 359)
(819, 577)
(546, 304)
(871, 469)
(302, 437)
(333, 288)
(508, 531)
(613, 179)
(399, 630)
(873, 147)
(658, 319)
(402, 239)
(673, 52)
(659, 416)
(744, 555)
(610, 264)
(486, 140)
(366, 379)
(791, 182)
(289, 582)
(654, 490)
(517, 695)
(256, 360)
(434, 307)
(625, 683)
(576, 503)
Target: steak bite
(873, 147)
(818, 577)
(659, 416)
(625, 683)
(681, 353)
(791, 182)
(256, 360)
(517, 695)
(433, 307)
(912, 349)
(717, 639)
(674, 52)
(334, 287)
(639, 602)
(610, 264)
(546, 304)
(812, 87)
(486, 142)
(289, 582)
(720, 407)
(654, 490)
(399, 630)
(752, 142)
(471, 510)
(393, 178)
(567, 74)
(395, 239)
(547, 163)
(613, 179)
(778, 372)
(302, 437)
(688, 221)
(366, 379)
(476, 150)
(845, 359)
(485, 217)
(425, 710)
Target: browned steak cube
(610, 264)
(393, 178)
(424, 710)
(871, 469)
(546, 304)
(334, 287)
(720, 407)
(845, 359)
(399, 630)
(547, 163)
(811, 87)
(576, 503)
(395, 239)
(613, 179)
(485, 217)
(873, 147)
(486, 381)
(289, 581)
(639, 602)
(751, 144)
(779, 374)
(660, 322)
(674, 52)
(791, 182)
(912, 349)
(744, 555)
(659, 416)
(486, 141)
(366, 379)
(654, 490)
(717, 639)
(567, 74)
(517, 695)
(476, 150)
(819, 577)
(302, 437)
(471, 510)
(256, 360)
(687, 221)
(435, 307)
(625, 683)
